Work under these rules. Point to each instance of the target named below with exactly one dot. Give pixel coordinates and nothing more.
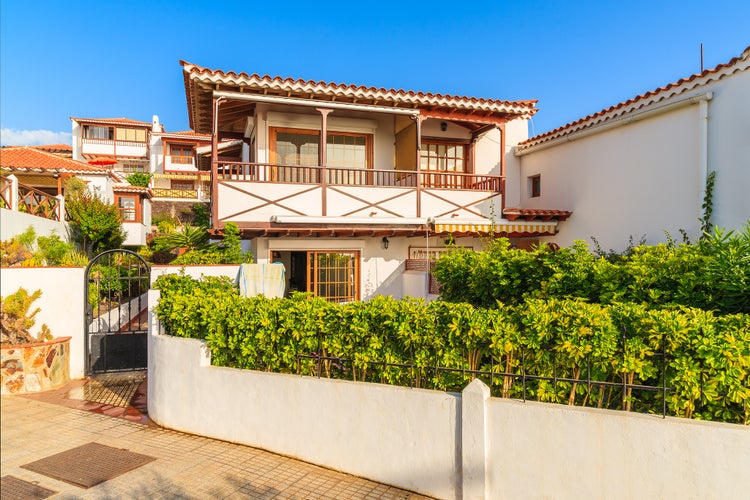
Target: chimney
(155, 125)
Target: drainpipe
(703, 151)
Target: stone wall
(35, 367)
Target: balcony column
(215, 165)
(323, 156)
(418, 158)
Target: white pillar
(60, 207)
(13, 192)
(474, 440)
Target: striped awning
(502, 227)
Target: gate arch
(116, 283)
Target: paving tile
(185, 466)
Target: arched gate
(116, 317)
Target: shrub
(16, 318)
(96, 224)
(139, 179)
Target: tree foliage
(95, 224)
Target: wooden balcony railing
(31, 201)
(6, 191)
(266, 172)
(183, 194)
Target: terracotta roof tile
(535, 214)
(129, 188)
(55, 148)
(331, 90)
(30, 159)
(112, 121)
(681, 86)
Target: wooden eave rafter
(488, 119)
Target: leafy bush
(96, 224)
(26, 250)
(713, 274)
(139, 179)
(438, 344)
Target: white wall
(647, 177)
(636, 179)
(729, 149)
(14, 223)
(61, 304)
(400, 436)
(443, 444)
(565, 452)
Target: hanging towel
(262, 279)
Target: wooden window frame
(465, 143)
(182, 159)
(313, 283)
(535, 186)
(110, 132)
(138, 216)
(136, 133)
(272, 142)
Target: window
(300, 147)
(128, 208)
(130, 168)
(535, 186)
(131, 134)
(92, 132)
(443, 157)
(333, 275)
(181, 153)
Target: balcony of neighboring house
(193, 187)
(110, 139)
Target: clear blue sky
(120, 58)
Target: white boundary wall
(441, 444)
(61, 304)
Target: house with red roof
(642, 167)
(32, 190)
(355, 188)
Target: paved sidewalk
(186, 466)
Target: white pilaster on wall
(474, 440)
(13, 192)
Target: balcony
(113, 147)
(255, 192)
(21, 198)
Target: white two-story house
(354, 188)
(640, 168)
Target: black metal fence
(518, 384)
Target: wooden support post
(323, 156)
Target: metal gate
(116, 318)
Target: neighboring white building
(38, 182)
(640, 167)
(401, 173)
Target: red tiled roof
(129, 188)
(112, 121)
(31, 159)
(535, 214)
(55, 148)
(740, 63)
(327, 91)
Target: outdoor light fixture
(443, 126)
(386, 242)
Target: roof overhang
(202, 85)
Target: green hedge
(708, 355)
(713, 274)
